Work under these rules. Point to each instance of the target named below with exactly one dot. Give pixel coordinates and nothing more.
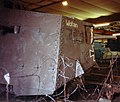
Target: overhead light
(65, 3)
(116, 34)
(100, 25)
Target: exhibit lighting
(116, 34)
(65, 3)
(100, 25)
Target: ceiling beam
(45, 5)
(102, 5)
(53, 10)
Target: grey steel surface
(45, 51)
(73, 47)
(31, 56)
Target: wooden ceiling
(95, 11)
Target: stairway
(100, 75)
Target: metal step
(98, 76)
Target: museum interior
(59, 50)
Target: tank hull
(44, 51)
